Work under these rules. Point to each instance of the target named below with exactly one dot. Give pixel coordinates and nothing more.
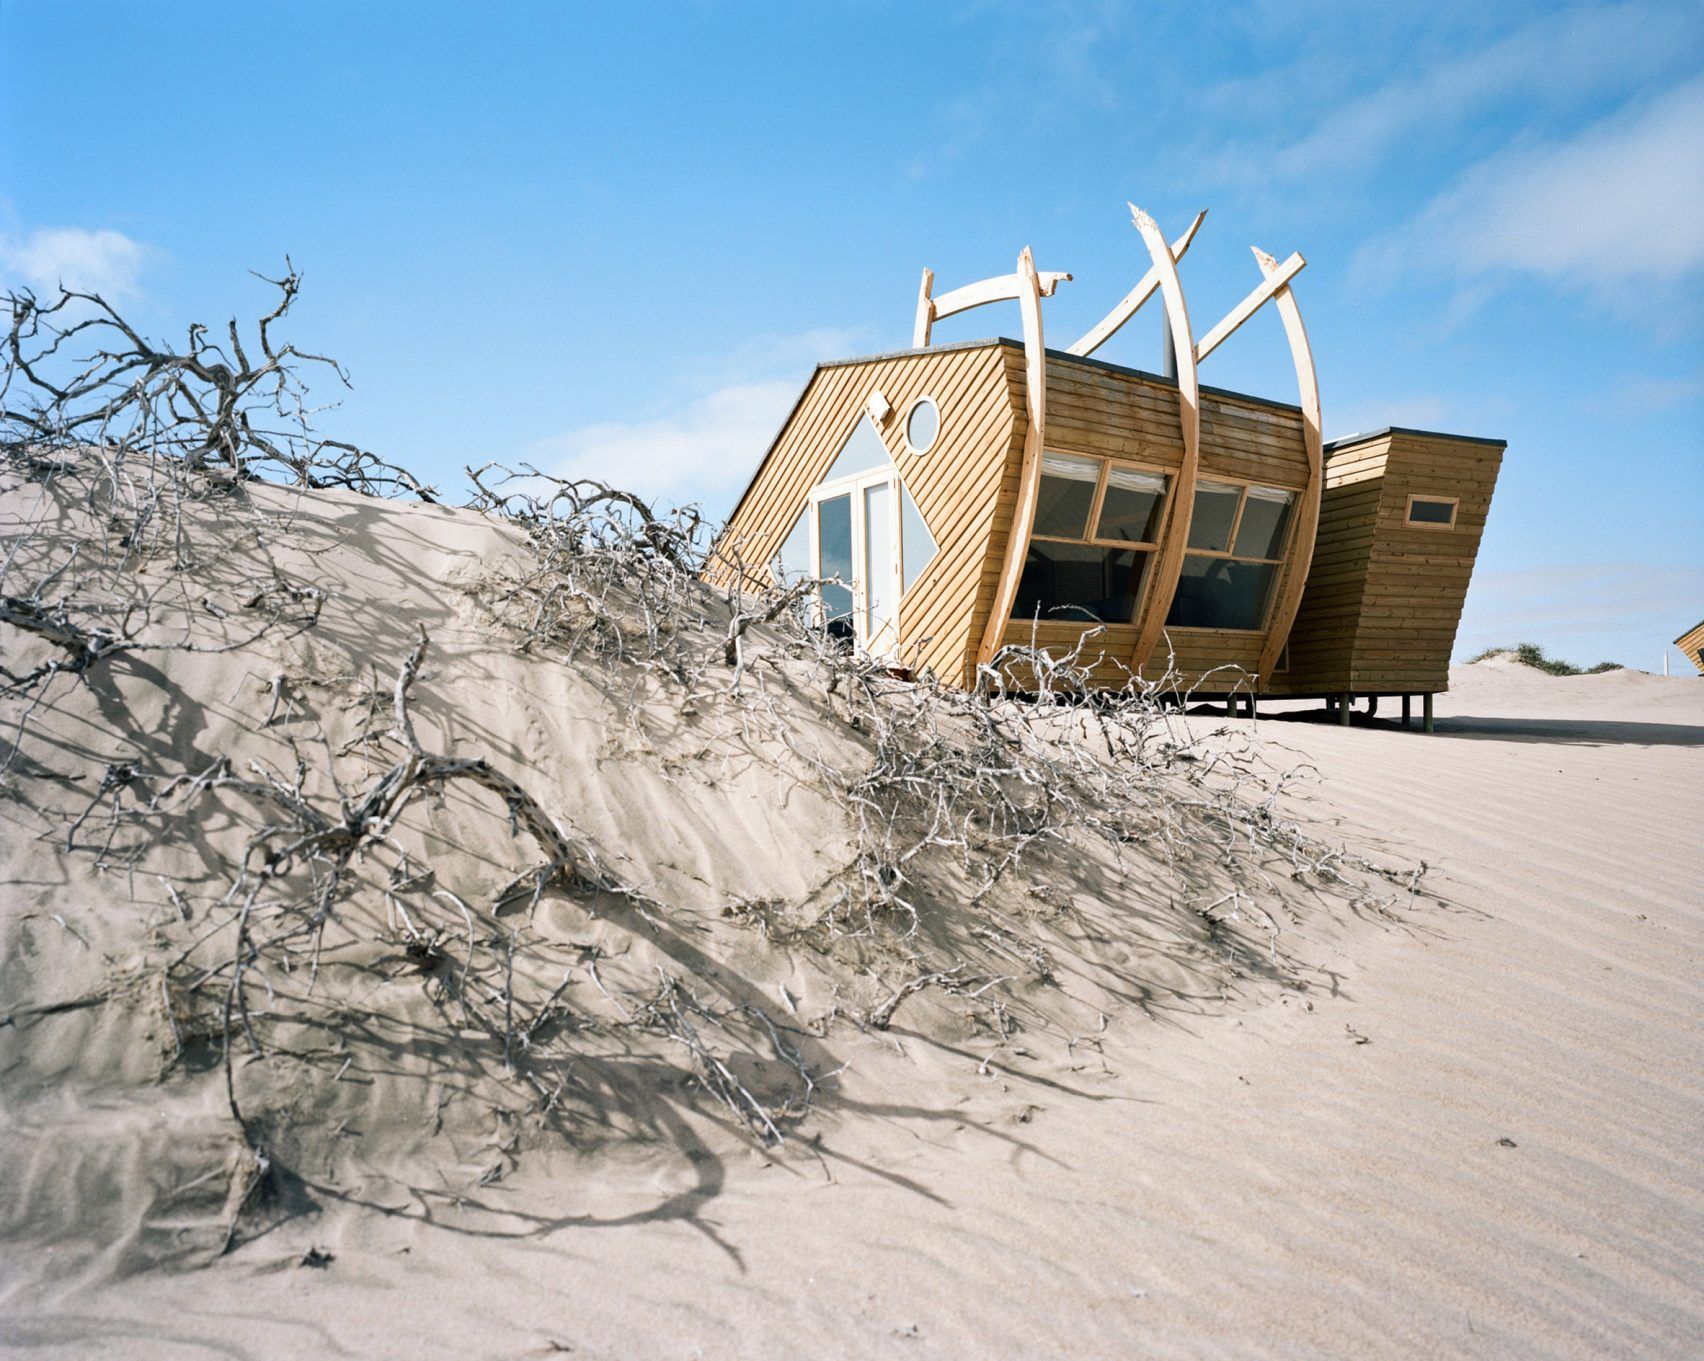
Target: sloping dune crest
(1156, 1101)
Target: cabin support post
(1405, 709)
(1426, 712)
(1344, 701)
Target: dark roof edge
(1383, 430)
(908, 354)
(1692, 630)
(1064, 357)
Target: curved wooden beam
(1167, 566)
(1264, 293)
(1000, 288)
(1108, 326)
(1307, 522)
(925, 322)
(1029, 475)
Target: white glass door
(855, 549)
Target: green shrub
(1531, 654)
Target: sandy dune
(1461, 1129)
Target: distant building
(1691, 645)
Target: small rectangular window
(1215, 516)
(834, 553)
(1433, 512)
(1130, 510)
(1265, 517)
(1067, 492)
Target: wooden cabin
(1691, 645)
(967, 504)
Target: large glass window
(1236, 541)
(1095, 528)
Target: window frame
(1231, 555)
(854, 485)
(1099, 499)
(1408, 522)
(1107, 463)
(905, 427)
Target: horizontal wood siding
(1322, 641)
(1384, 598)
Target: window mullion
(1095, 504)
(1236, 521)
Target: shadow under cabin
(970, 506)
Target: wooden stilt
(1343, 702)
(1405, 710)
(1426, 712)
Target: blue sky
(614, 239)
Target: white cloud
(1621, 202)
(1660, 394)
(704, 447)
(1559, 60)
(706, 443)
(1624, 199)
(105, 261)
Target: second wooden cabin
(1691, 645)
(965, 504)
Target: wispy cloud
(1622, 202)
(1053, 59)
(104, 261)
(703, 443)
(1551, 64)
(1646, 395)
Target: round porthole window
(922, 425)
